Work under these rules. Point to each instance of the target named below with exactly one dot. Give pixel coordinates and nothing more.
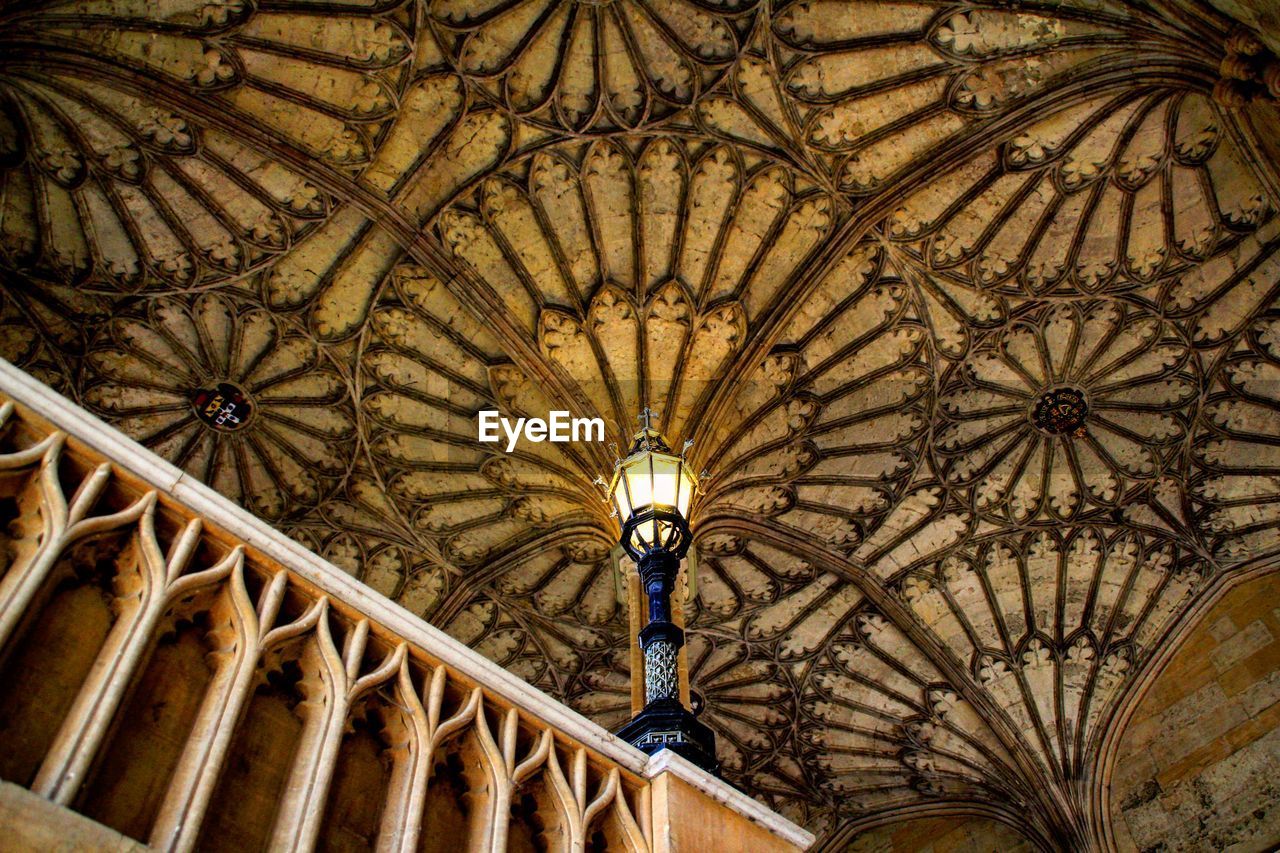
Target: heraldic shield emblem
(225, 408)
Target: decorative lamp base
(666, 724)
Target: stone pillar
(691, 810)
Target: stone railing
(176, 674)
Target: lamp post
(651, 491)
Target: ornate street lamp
(651, 491)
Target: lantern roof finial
(648, 437)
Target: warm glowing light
(649, 487)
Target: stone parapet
(175, 673)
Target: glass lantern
(651, 491)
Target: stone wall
(1199, 767)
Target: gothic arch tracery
(858, 257)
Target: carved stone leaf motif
(1221, 296)
(1237, 471)
(285, 455)
(123, 189)
(640, 276)
(952, 70)
(1108, 195)
(428, 364)
(39, 332)
(737, 578)
(589, 66)
(1093, 593)
(1132, 369)
(116, 188)
(825, 433)
(361, 530)
(128, 195)
(956, 312)
(432, 149)
(550, 653)
(1001, 409)
(344, 79)
(886, 88)
(875, 708)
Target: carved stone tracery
(864, 259)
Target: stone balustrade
(184, 677)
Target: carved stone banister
(184, 675)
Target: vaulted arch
(970, 310)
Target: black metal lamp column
(652, 490)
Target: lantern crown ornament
(652, 491)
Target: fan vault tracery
(859, 257)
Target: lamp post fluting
(652, 491)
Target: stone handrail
(322, 715)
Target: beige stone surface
(958, 834)
(1198, 764)
(32, 824)
(685, 818)
(859, 252)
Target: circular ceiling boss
(1061, 411)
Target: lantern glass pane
(644, 535)
(686, 491)
(620, 500)
(666, 479)
(638, 482)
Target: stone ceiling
(971, 309)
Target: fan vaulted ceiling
(970, 309)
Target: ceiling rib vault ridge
(971, 308)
